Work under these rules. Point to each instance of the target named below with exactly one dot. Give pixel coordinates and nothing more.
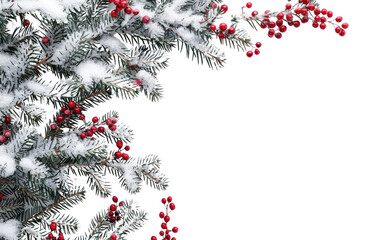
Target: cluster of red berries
(119, 154)
(165, 233)
(255, 48)
(223, 8)
(53, 227)
(114, 213)
(123, 5)
(26, 22)
(5, 134)
(277, 27)
(223, 31)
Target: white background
(272, 147)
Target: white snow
(30, 164)
(91, 72)
(10, 229)
(6, 99)
(112, 43)
(7, 162)
(66, 48)
(147, 79)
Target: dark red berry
(224, 8)
(167, 218)
(146, 19)
(258, 44)
(71, 104)
(82, 135)
(172, 206)
(127, 148)
(345, 25)
(113, 207)
(125, 156)
(118, 155)
(175, 229)
(114, 199)
(101, 129)
(81, 117)
(53, 226)
(60, 119)
(162, 215)
(163, 200)
(249, 54)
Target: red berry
(169, 199)
(89, 133)
(77, 110)
(26, 23)
(317, 18)
(67, 112)
(339, 19)
(7, 120)
(114, 13)
(125, 156)
(127, 148)
(231, 30)
(263, 25)
(224, 8)
(71, 104)
(123, 4)
(289, 17)
(342, 33)
(112, 127)
(212, 27)
(315, 24)
(338, 29)
(345, 25)
(257, 52)
(172, 206)
(118, 154)
(146, 19)
(288, 6)
(64, 108)
(2, 138)
(249, 54)
(221, 35)
(305, 19)
(306, 1)
(278, 35)
(53, 126)
(53, 226)
(113, 207)
(271, 32)
(167, 218)
(279, 23)
(258, 44)
(50, 235)
(163, 200)
(249, 5)
(272, 24)
(95, 119)
(119, 144)
(311, 6)
(114, 199)
(94, 128)
(121, 203)
(322, 25)
(113, 237)
(175, 229)
(60, 119)
(128, 10)
(280, 16)
(223, 26)
(162, 215)
(213, 5)
(296, 24)
(298, 10)
(317, 11)
(153, 238)
(112, 219)
(116, 2)
(101, 129)
(109, 121)
(45, 40)
(173, 238)
(167, 231)
(82, 135)
(161, 233)
(110, 213)
(304, 11)
(81, 117)
(135, 11)
(163, 225)
(330, 14)
(324, 11)
(254, 13)
(283, 28)
(7, 133)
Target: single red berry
(114, 13)
(95, 120)
(153, 238)
(26, 22)
(53, 126)
(338, 29)
(135, 11)
(64, 108)
(212, 27)
(112, 127)
(317, 18)
(163, 225)
(298, 11)
(89, 133)
(2, 138)
(93, 128)
(109, 121)
(249, 54)
(169, 199)
(167, 218)
(175, 229)
(50, 235)
(311, 6)
(113, 207)
(263, 25)
(45, 40)
(162, 215)
(254, 13)
(304, 11)
(213, 5)
(123, 4)
(77, 110)
(167, 231)
(317, 11)
(224, 8)
(258, 44)
(60, 237)
(67, 112)
(7, 133)
(172, 206)
(324, 11)
(221, 35)
(162, 233)
(339, 19)
(288, 6)
(280, 16)
(128, 10)
(112, 219)
(283, 28)
(7, 119)
(118, 218)
(272, 24)
(121, 203)
(342, 33)
(125, 156)
(231, 30)
(306, 1)
(60, 119)
(305, 19)
(113, 237)
(118, 154)
(279, 23)
(119, 144)
(315, 24)
(278, 35)
(163, 200)
(116, 2)
(71, 104)
(173, 238)
(330, 14)
(289, 17)
(345, 25)
(101, 129)
(322, 25)
(146, 19)
(249, 5)
(271, 32)
(127, 148)
(81, 117)
(110, 213)
(223, 26)
(53, 226)
(257, 52)
(82, 135)
(296, 24)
